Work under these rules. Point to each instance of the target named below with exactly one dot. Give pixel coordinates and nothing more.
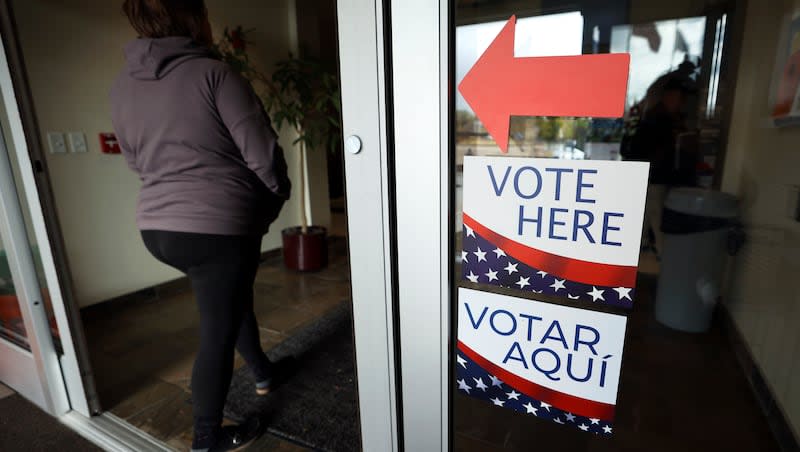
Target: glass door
(545, 323)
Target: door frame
(366, 99)
(422, 73)
(406, 161)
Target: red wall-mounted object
(790, 80)
(109, 144)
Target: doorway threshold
(113, 434)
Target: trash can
(698, 227)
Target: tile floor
(142, 352)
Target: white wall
(761, 164)
(73, 51)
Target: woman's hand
(271, 208)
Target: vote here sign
(570, 228)
(554, 362)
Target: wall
(761, 164)
(73, 51)
(317, 38)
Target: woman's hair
(163, 18)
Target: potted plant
(304, 95)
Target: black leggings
(222, 270)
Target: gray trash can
(697, 226)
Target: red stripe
(565, 402)
(572, 269)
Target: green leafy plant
(301, 93)
(549, 128)
(306, 97)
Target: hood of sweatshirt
(152, 59)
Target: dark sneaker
(283, 369)
(264, 387)
(236, 437)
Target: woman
(655, 141)
(213, 179)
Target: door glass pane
(37, 261)
(682, 362)
(12, 327)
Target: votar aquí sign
(570, 228)
(553, 362)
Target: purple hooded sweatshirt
(199, 139)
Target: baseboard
(163, 290)
(776, 418)
(271, 255)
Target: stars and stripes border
(475, 381)
(484, 262)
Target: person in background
(213, 179)
(655, 140)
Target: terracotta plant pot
(305, 252)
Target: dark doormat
(24, 427)
(316, 407)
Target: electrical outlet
(77, 142)
(57, 143)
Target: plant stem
(303, 215)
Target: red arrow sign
(500, 86)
